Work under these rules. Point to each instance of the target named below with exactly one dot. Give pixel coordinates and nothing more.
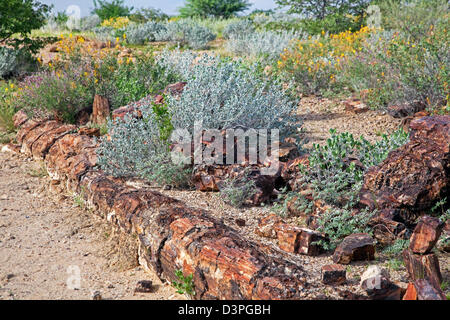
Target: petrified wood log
(100, 110)
(171, 235)
(414, 176)
(422, 266)
(425, 235)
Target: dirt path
(45, 240)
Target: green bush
(18, 18)
(335, 171)
(236, 191)
(7, 108)
(54, 95)
(139, 148)
(213, 8)
(336, 224)
(111, 9)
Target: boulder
(415, 176)
(422, 266)
(334, 274)
(405, 109)
(425, 235)
(385, 229)
(357, 246)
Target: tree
(320, 9)
(113, 9)
(20, 17)
(213, 8)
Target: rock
(96, 295)
(144, 286)
(307, 244)
(290, 172)
(288, 237)
(298, 240)
(357, 246)
(240, 222)
(91, 132)
(20, 118)
(422, 266)
(385, 229)
(175, 88)
(425, 235)
(405, 109)
(375, 281)
(100, 110)
(411, 292)
(427, 291)
(355, 106)
(415, 176)
(267, 226)
(334, 274)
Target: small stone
(334, 274)
(96, 295)
(144, 286)
(240, 222)
(425, 235)
(357, 246)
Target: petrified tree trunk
(100, 110)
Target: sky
(167, 6)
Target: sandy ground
(45, 240)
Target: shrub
(8, 91)
(225, 94)
(267, 44)
(120, 79)
(116, 22)
(19, 17)
(8, 61)
(315, 63)
(213, 8)
(185, 284)
(236, 191)
(186, 32)
(334, 176)
(105, 33)
(238, 28)
(89, 22)
(139, 34)
(107, 10)
(53, 94)
(137, 148)
(337, 224)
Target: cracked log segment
(415, 176)
(171, 235)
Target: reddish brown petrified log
(422, 266)
(100, 110)
(425, 235)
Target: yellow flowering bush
(117, 22)
(315, 63)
